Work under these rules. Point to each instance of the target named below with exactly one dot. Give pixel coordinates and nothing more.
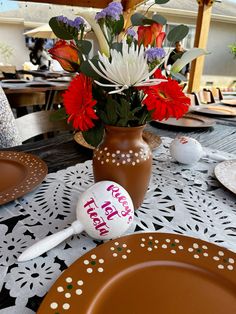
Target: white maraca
(104, 211)
(187, 150)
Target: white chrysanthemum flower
(125, 69)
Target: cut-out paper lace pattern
(181, 199)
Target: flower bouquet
(119, 89)
(125, 83)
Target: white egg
(105, 210)
(186, 150)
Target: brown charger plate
(16, 81)
(189, 121)
(38, 84)
(20, 173)
(60, 80)
(147, 273)
(216, 110)
(153, 140)
(229, 102)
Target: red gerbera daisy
(79, 103)
(166, 99)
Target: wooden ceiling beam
(79, 3)
(131, 4)
(127, 4)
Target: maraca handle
(45, 244)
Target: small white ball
(186, 150)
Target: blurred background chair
(23, 103)
(38, 123)
(203, 97)
(8, 72)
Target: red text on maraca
(98, 222)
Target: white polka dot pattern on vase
(122, 158)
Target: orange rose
(66, 54)
(151, 35)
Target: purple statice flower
(77, 23)
(100, 15)
(113, 11)
(131, 32)
(155, 54)
(62, 19)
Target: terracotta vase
(124, 157)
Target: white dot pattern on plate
(120, 250)
(35, 171)
(53, 305)
(66, 306)
(121, 158)
(80, 282)
(78, 291)
(198, 250)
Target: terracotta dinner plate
(229, 102)
(60, 80)
(16, 81)
(147, 273)
(38, 84)
(216, 110)
(188, 121)
(20, 173)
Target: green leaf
(111, 107)
(137, 19)
(117, 46)
(159, 19)
(178, 33)
(58, 115)
(122, 122)
(148, 22)
(103, 117)
(118, 27)
(86, 68)
(178, 77)
(161, 1)
(60, 30)
(155, 19)
(94, 136)
(85, 46)
(124, 108)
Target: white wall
(219, 66)
(12, 35)
(220, 61)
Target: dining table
(18, 89)
(182, 199)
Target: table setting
(182, 200)
(126, 224)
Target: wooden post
(201, 36)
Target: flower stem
(149, 8)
